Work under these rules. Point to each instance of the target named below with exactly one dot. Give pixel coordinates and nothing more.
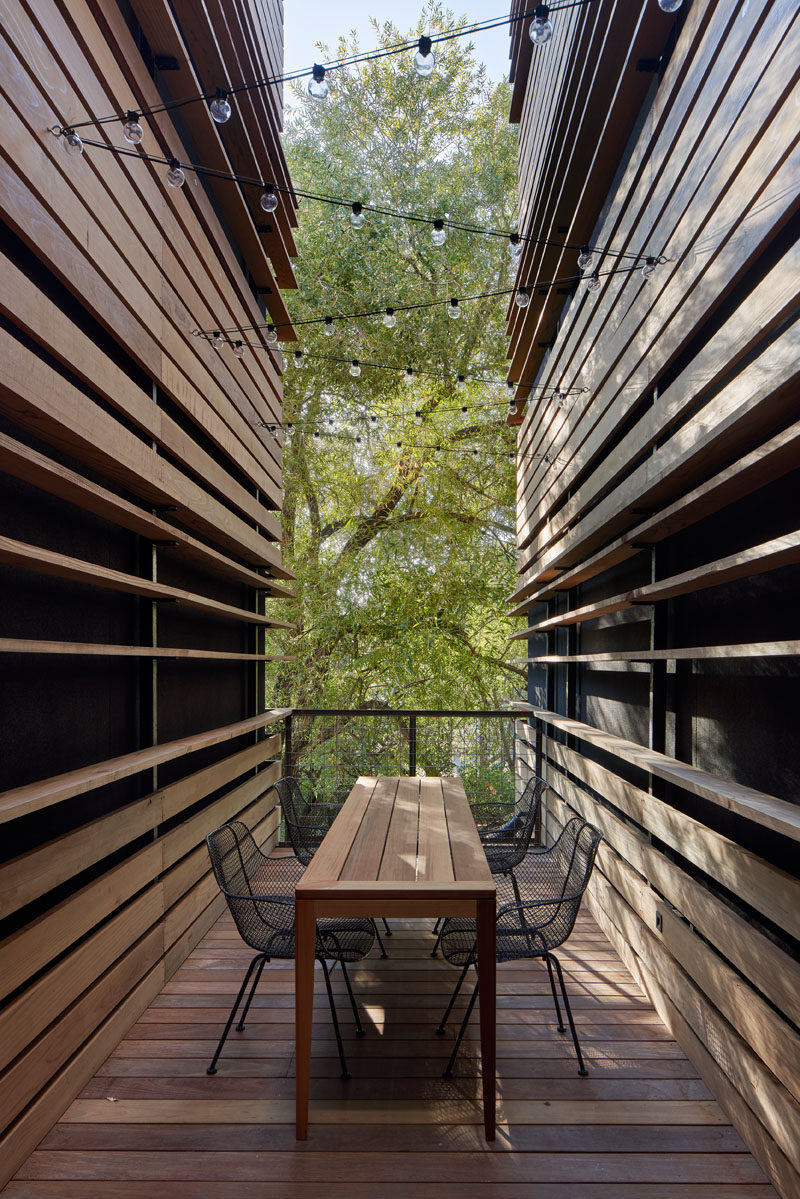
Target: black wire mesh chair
(307, 822)
(551, 886)
(505, 838)
(260, 895)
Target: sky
(309, 21)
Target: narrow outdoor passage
(151, 1122)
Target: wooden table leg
(305, 936)
(487, 971)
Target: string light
(454, 311)
(593, 282)
(541, 28)
(72, 143)
(217, 341)
(521, 297)
(585, 259)
(357, 215)
(271, 335)
(175, 175)
(318, 86)
(328, 321)
(648, 268)
(423, 45)
(439, 226)
(219, 107)
(514, 246)
(355, 369)
(669, 5)
(269, 201)
(438, 233)
(238, 349)
(389, 318)
(424, 61)
(299, 359)
(132, 131)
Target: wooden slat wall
(140, 532)
(658, 543)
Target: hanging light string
(352, 60)
(357, 208)
(522, 295)
(411, 373)
(436, 447)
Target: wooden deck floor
(153, 1124)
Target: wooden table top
(401, 836)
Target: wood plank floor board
(151, 1122)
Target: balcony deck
(152, 1123)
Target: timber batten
(658, 569)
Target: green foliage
(404, 555)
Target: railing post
(412, 745)
(287, 746)
(539, 748)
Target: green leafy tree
(398, 515)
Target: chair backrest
(512, 840)
(551, 891)
(262, 906)
(305, 828)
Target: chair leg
(257, 978)
(345, 1074)
(435, 929)
(387, 930)
(560, 1024)
(359, 1030)
(453, 998)
(581, 1067)
(440, 925)
(384, 954)
(257, 960)
(448, 1070)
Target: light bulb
(331, 421)
(585, 259)
(424, 62)
(327, 328)
(132, 130)
(358, 439)
(219, 107)
(389, 319)
(521, 298)
(464, 408)
(474, 451)
(398, 445)
(271, 335)
(461, 382)
(269, 201)
(648, 268)
(357, 216)
(290, 427)
(418, 417)
(512, 407)
(373, 420)
(175, 176)
(238, 349)
(438, 233)
(514, 246)
(299, 360)
(72, 143)
(217, 340)
(669, 5)
(541, 29)
(318, 86)
(453, 311)
(317, 434)
(409, 375)
(593, 282)
(436, 449)
(355, 368)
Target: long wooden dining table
(399, 847)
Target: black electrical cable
(352, 60)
